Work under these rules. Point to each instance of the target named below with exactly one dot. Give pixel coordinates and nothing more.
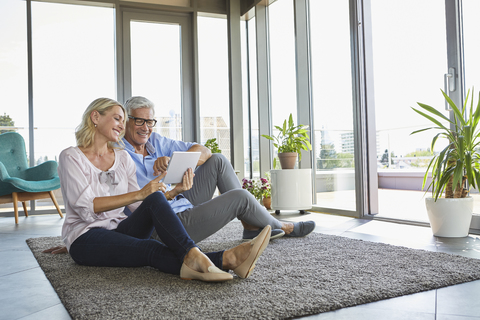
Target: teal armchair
(18, 182)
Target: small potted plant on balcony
(213, 145)
(290, 141)
(455, 169)
(261, 189)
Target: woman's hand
(102, 204)
(56, 250)
(160, 165)
(187, 183)
(153, 186)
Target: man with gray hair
(192, 200)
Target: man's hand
(187, 183)
(160, 165)
(56, 250)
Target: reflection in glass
(332, 103)
(156, 72)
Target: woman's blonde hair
(85, 132)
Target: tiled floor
(25, 293)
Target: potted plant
(213, 145)
(455, 169)
(266, 187)
(289, 142)
(261, 189)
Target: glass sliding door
(410, 60)
(157, 66)
(332, 104)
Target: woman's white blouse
(81, 182)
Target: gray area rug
(294, 277)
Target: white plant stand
(291, 189)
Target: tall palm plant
(456, 168)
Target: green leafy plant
(456, 168)
(212, 145)
(290, 138)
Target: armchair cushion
(20, 185)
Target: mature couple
(91, 176)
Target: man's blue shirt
(158, 146)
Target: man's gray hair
(137, 103)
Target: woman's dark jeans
(130, 245)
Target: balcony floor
(392, 203)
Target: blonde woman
(98, 181)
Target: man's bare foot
(287, 227)
(197, 260)
(235, 256)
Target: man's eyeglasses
(140, 121)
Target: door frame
(188, 88)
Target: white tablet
(179, 163)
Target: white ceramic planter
(450, 217)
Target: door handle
(449, 84)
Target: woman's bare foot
(287, 227)
(234, 257)
(197, 260)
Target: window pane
(333, 107)
(251, 102)
(281, 30)
(245, 98)
(471, 28)
(407, 69)
(213, 82)
(73, 64)
(13, 74)
(255, 130)
(13, 63)
(156, 72)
